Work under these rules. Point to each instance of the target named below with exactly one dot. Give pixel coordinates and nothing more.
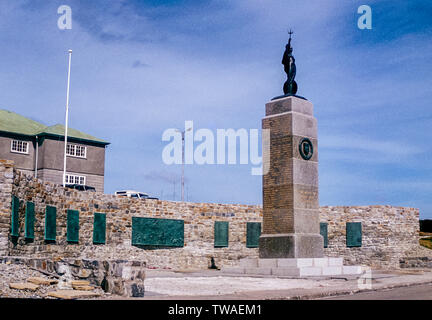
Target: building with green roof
(38, 150)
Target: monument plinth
(290, 186)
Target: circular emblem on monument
(306, 148)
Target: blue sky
(140, 67)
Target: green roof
(15, 123)
(59, 129)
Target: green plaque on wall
(157, 232)
(99, 228)
(221, 231)
(253, 232)
(354, 234)
(29, 220)
(72, 226)
(50, 223)
(15, 217)
(324, 232)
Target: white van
(132, 194)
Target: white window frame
(23, 143)
(75, 179)
(71, 150)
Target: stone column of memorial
(290, 187)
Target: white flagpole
(66, 121)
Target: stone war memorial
(105, 241)
(290, 188)
(291, 243)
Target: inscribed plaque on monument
(157, 232)
(253, 232)
(221, 231)
(99, 228)
(72, 226)
(353, 234)
(29, 220)
(15, 217)
(50, 223)
(324, 232)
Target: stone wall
(198, 219)
(389, 233)
(416, 262)
(6, 179)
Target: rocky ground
(16, 273)
(210, 284)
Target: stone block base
(295, 245)
(294, 267)
(121, 277)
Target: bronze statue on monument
(288, 60)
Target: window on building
(75, 179)
(20, 146)
(76, 150)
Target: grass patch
(426, 242)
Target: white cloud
(369, 145)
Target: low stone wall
(389, 233)
(198, 219)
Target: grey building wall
(50, 160)
(51, 154)
(56, 176)
(22, 161)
